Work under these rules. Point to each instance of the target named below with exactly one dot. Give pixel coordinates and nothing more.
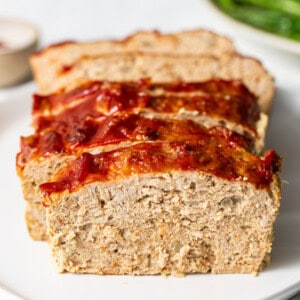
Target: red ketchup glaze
(122, 128)
(93, 89)
(232, 102)
(213, 86)
(235, 109)
(96, 101)
(209, 156)
(50, 103)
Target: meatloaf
(146, 158)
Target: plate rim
(288, 291)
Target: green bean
(277, 16)
(291, 7)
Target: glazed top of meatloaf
(115, 129)
(227, 100)
(213, 156)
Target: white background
(25, 266)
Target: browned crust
(156, 33)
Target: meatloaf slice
(48, 62)
(164, 208)
(45, 153)
(167, 68)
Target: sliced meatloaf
(164, 208)
(146, 159)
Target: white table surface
(92, 19)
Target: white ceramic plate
(26, 268)
(256, 34)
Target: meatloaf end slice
(124, 213)
(47, 63)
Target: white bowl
(18, 39)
